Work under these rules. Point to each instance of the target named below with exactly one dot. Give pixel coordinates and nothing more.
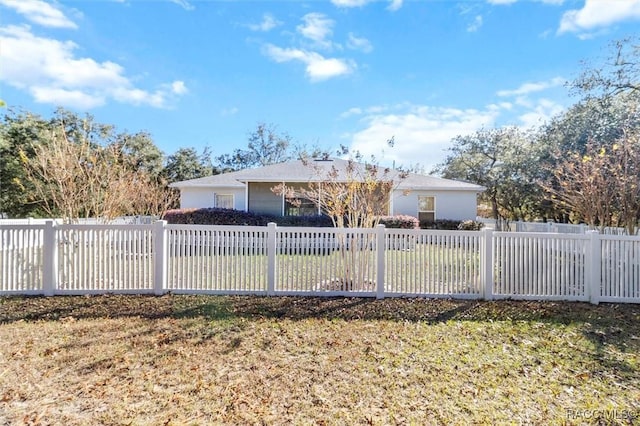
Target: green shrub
(470, 225)
(452, 225)
(315, 221)
(216, 216)
(400, 222)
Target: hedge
(400, 222)
(217, 216)
(452, 225)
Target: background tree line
(582, 166)
(71, 166)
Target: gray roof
(314, 170)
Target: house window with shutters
(426, 208)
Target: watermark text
(609, 414)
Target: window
(426, 209)
(224, 201)
(300, 207)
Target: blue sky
(196, 73)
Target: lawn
(146, 360)
(426, 269)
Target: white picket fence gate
(54, 259)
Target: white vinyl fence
(158, 258)
(560, 228)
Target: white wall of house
(453, 205)
(205, 197)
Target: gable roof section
(300, 171)
(229, 180)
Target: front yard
(248, 360)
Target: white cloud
(394, 5)
(350, 3)
(318, 67)
(507, 2)
(66, 97)
(317, 27)
(541, 111)
(280, 54)
(475, 25)
(268, 23)
(351, 112)
(49, 70)
(422, 133)
(359, 43)
(528, 111)
(528, 88)
(598, 13)
(178, 87)
(184, 4)
(40, 12)
(506, 106)
(134, 96)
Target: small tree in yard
(355, 196)
(78, 179)
(601, 186)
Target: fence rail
(560, 228)
(157, 258)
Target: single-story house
(425, 197)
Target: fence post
(50, 259)
(487, 263)
(594, 280)
(380, 248)
(160, 258)
(272, 247)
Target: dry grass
(146, 360)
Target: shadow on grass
(603, 325)
(609, 321)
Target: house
(425, 197)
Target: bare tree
(601, 186)
(625, 170)
(618, 73)
(353, 196)
(579, 183)
(79, 179)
